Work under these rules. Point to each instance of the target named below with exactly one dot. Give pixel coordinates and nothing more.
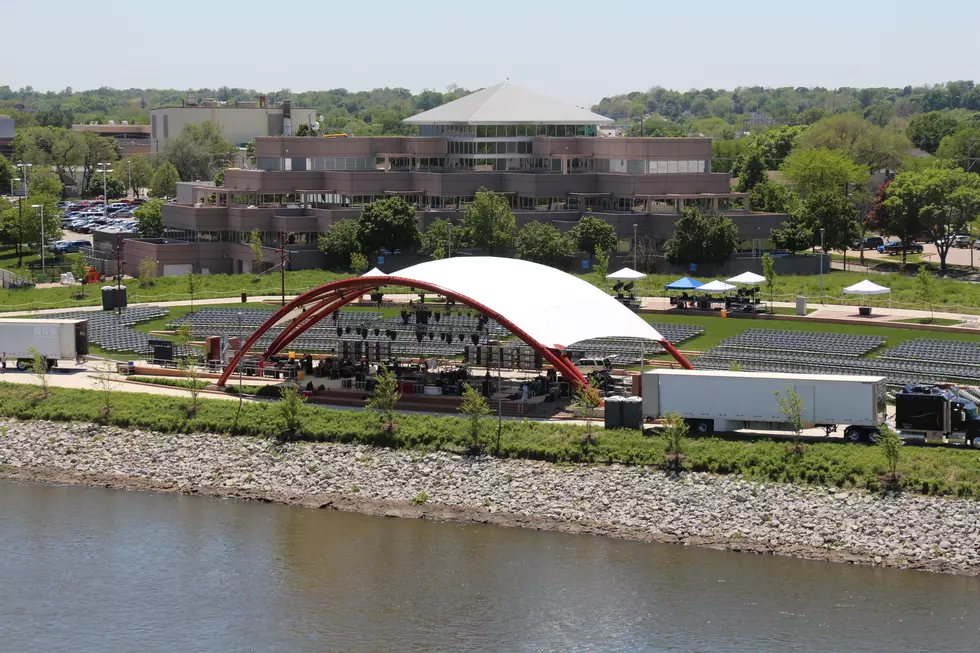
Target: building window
(268, 163)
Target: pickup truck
(895, 247)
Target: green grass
(717, 329)
(940, 321)
(941, 471)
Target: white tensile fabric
(715, 286)
(747, 277)
(626, 274)
(551, 306)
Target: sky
(573, 50)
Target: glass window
(672, 167)
(481, 131)
(511, 131)
(511, 147)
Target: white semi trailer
(712, 401)
(52, 339)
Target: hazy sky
(575, 50)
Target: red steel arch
(331, 297)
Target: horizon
(656, 46)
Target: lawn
(939, 321)
(940, 471)
(717, 329)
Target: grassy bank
(926, 470)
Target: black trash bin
(614, 412)
(632, 413)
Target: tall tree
(828, 210)
(865, 143)
(98, 149)
(700, 238)
(199, 151)
(772, 197)
(62, 149)
(165, 180)
(543, 243)
(751, 170)
(927, 130)
(792, 236)
(819, 169)
(593, 235)
(940, 200)
(489, 222)
(389, 223)
(136, 169)
(776, 144)
(442, 235)
(7, 174)
(339, 242)
(960, 146)
(149, 218)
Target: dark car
(895, 247)
(871, 242)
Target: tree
(106, 380)
(255, 245)
(700, 238)
(39, 368)
(751, 171)
(586, 399)
(865, 143)
(769, 272)
(149, 218)
(192, 374)
(147, 272)
(31, 223)
(772, 197)
(359, 263)
(60, 148)
(165, 180)
(543, 243)
(489, 222)
(442, 234)
(388, 224)
(674, 431)
(79, 268)
(306, 129)
(138, 169)
(819, 169)
(192, 287)
(219, 178)
(199, 151)
(958, 146)
(250, 152)
(339, 242)
(44, 182)
(927, 130)
(7, 174)
(98, 149)
(290, 404)
(925, 289)
(593, 235)
(384, 399)
(775, 144)
(829, 210)
(793, 236)
(112, 187)
(600, 263)
(891, 445)
(791, 406)
(475, 407)
(938, 200)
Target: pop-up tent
(748, 278)
(716, 286)
(866, 288)
(684, 283)
(374, 273)
(626, 274)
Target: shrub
(674, 432)
(891, 446)
(289, 407)
(385, 397)
(475, 407)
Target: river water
(86, 569)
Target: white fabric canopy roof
(551, 306)
(374, 273)
(866, 288)
(715, 286)
(747, 277)
(626, 274)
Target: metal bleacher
(114, 332)
(628, 350)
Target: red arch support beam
(333, 296)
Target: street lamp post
(105, 192)
(129, 166)
(20, 212)
(41, 206)
(12, 180)
(822, 253)
(634, 246)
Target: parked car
(895, 247)
(962, 240)
(871, 242)
(70, 246)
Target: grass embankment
(938, 321)
(171, 382)
(717, 329)
(927, 470)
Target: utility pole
(821, 265)
(41, 207)
(282, 264)
(118, 274)
(25, 184)
(634, 246)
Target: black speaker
(538, 361)
(345, 348)
(358, 350)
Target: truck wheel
(975, 442)
(852, 434)
(703, 427)
(872, 435)
(22, 365)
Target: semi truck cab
(937, 415)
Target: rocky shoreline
(909, 532)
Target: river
(87, 569)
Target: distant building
(240, 122)
(760, 119)
(6, 136)
(131, 139)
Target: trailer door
(807, 395)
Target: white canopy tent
(626, 274)
(748, 278)
(374, 273)
(866, 288)
(715, 287)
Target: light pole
(20, 211)
(41, 206)
(129, 166)
(821, 264)
(12, 180)
(634, 246)
(105, 192)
